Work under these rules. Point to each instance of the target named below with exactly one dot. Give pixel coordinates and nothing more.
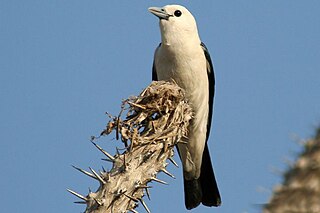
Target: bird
(182, 57)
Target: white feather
(181, 58)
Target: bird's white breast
(187, 67)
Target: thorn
(104, 152)
(119, 192)
(98, 176)
(159, 181)
(132, 198)
(148, 193)
(130, 147)
(106, 159)
(118, 125)
(78, 195)
(168, 173)
(85, 172)
(124, 163)
(98, 202)
(107, 176)
(132, 210)
(103, 169)
(92, 138)
(117, 149)
(165, 146)
(144, 187)
(80, 202)
(144, 205)
(173, 162)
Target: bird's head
(177, 24)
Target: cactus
(155, 122)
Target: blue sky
(64, 63)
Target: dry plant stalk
(300, 192)
(155, 122)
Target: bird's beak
(159, 12)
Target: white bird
(182, 57)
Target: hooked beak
(159, 12)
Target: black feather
(154, 71)
(212, 82)
(192, 193)
(210, 191)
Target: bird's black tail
(192, 193)
(203, 190)
(210, 191)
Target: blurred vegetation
(300, 190)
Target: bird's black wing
(209, 187)
(211, 88)
(154, 71)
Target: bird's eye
(177, 13)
